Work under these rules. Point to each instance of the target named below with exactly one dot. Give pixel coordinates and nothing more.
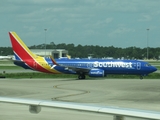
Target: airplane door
(138, 65)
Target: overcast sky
(121, 23)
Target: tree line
(96, 51)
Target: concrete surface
(128, 93)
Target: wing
(35, 107)
(76, 69)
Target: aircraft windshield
(147, 65)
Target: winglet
(20, 50)
(68, 56)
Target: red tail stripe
(18, 49)
(23, 54)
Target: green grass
(153, 62)
(10, 67)
(37, 75)
(6, 62)
(45, 75)
(150, 76)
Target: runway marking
(60, 98)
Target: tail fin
(20, 50)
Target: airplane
(81, 67)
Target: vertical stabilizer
(20, 50)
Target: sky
(118, 23)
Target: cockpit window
(147, 65)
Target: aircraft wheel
(81, 76)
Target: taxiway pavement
(128, 93)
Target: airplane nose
(154, 69)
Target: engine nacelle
(35, 109)
(96, 73)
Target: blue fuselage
(98, 67)
(110, 66)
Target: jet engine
(96, 73)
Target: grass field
(11, 67)
(45, 75)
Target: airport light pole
(147, 43)
(45, 40)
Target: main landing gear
(81, 76)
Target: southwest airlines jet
(81, 67)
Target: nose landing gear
(141, 77)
